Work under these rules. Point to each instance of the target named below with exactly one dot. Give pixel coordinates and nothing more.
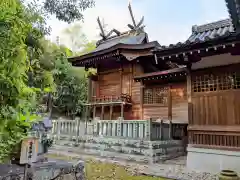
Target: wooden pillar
(121, 78)
(170, 112)
(141, 99)
(102, 112)
(189, 96)
(131, 80)
(87, 110)
(89, 90)
(122, 111)
(86, 117)
(111, 111)
(161, 130)
(94, 112)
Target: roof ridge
(211, 26)
(118, 36)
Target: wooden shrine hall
(195, 83)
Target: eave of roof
(205, 36)
(116, 47)
(175, 71)
(125, 40)
(205, 33)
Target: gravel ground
(173, 169)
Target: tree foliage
(71, 89)
(17, 99)
(67, 10)
(31, 66)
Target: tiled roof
(205, 33)
(126, 38)
(210, 31)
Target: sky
(167, 21)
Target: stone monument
(33, 165)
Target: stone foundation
(125, 149)
(212, 161)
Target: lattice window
(148, 96)
(225, 81)
(155, 95)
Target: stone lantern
(41, 130)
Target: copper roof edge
(151, 44)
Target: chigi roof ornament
(102, 34)
(135, 26)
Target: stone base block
(127, 149)
(212, 161)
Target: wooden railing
(215, 139)
(129, 129)
(103, 99)
(71, 128)
(122, 128)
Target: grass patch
(95, 170)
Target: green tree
(71, 82)
(67, 10)
(17, 100)
(71, 86)
(24, 70)
(64, 10)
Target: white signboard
(27, 157)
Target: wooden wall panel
(109, 84)
(136, 112)
(126, 83)
(179, 105)
(155, 112)
(136, 93)
(216, 108)
(109, 90)
(179, 102)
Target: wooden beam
(163, 73)
(107, 71)
(107, 103)
(214, 128)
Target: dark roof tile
(206, 32)
(123, 39)
(210, 31)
